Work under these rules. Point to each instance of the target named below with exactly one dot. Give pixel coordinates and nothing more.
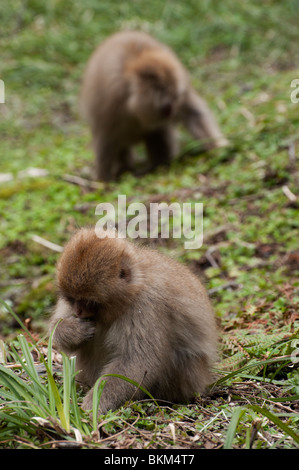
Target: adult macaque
(129, 310)
(135, 89)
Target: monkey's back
(104, 89)
(181, 310)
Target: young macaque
(128, 310)
(136, 90)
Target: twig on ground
(47, 244)
(288, 193)
(85, 183)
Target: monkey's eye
(70, 300)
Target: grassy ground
(243, 57)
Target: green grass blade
(282, 399)
(40, 389)
(20, 389)
(286, 359)
(96, 397)
(3, 357)
(51, 395)
(136, 384)
(15, 316)
(66, 389)
(236, 416)
(77, 412)
(57, 399)
(280, 424)
(11, 419)
(37, 389)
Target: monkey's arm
(71, 331)
(111, 159)
(200, 121)
(161, 147)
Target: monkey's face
(156, 90)
(84, 309)
(94, 273)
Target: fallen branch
(85, 183)
(47, 244)
(288, 193)
(225, 286)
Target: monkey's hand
(201, 123)
(72, 332)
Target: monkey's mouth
(84, 308)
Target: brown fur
(149, 319)
(135, 89)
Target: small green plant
(29, 398)
(252, 413)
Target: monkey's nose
(166, 110)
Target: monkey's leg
(161, 147)
(108, 158)
(117, 391)
(201, 123)
(125, 162)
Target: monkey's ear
(125, 271)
